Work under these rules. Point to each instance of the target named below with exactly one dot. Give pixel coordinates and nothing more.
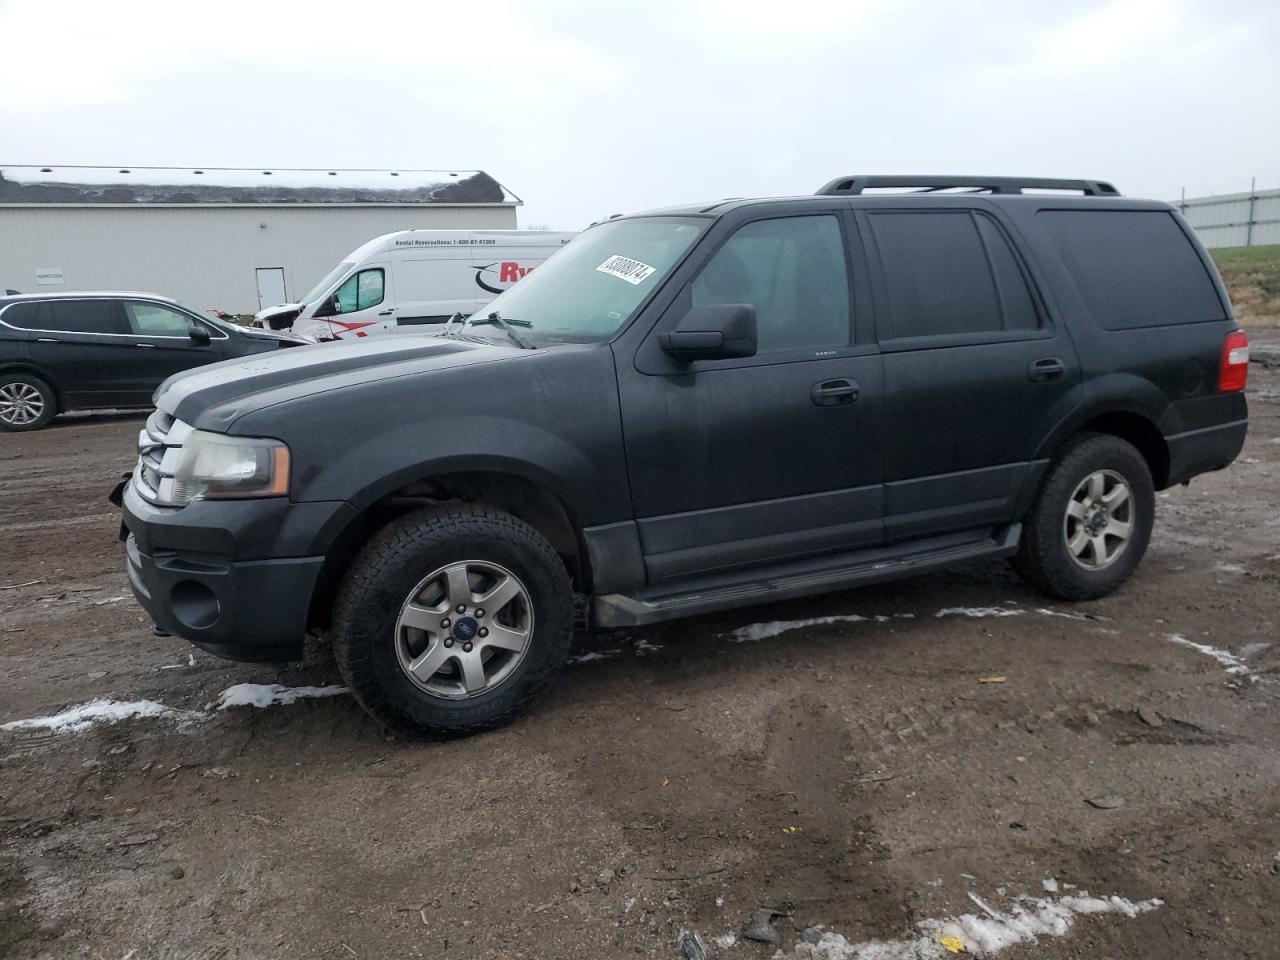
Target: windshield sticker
(624, 268)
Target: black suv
(693, 409)
(79, 351)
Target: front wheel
(452, 620)
(1091, 521)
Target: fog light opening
(194, 605)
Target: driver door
(740, 462)
(362, 305)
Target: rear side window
(947, 273)
(1134, 268)
(66, 316)
(23, 315)
(792, 270)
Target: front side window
(154, 320)
(361, 291)
(792, 270)
(589, 288)
(949, 272)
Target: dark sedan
(84, 351)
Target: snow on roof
(79, 186)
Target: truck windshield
(329, 280)
(588, 289)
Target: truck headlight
(214, 466)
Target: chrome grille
(159, 446)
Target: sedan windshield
(588, 289)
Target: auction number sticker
(624, 268)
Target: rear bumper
(1209, 448)
(208, 574)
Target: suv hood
(214, 396)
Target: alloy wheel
(1099, 520)
(20, 404)
(464, 629)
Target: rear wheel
(1091, 521)
(26, 402)
(452, 620)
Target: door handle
(385, 313)
(1046, 368)
(47, 340)
(146, 346)
(831, 393)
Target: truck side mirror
(718, 331)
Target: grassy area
(1252, 276)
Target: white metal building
(1234, 219)
(233, 239)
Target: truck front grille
(159, 446)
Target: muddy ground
(853, 774)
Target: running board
(835, 573)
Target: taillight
(1235, 362)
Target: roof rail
(931, 184)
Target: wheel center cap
(464, 628)
(1099, 520)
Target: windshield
(588, 289)
(329, 280)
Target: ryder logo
(508, 272)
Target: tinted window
(949, 273)
(792, 270)
(361, 291)
(79, 316)
(24, 315)
(1134, 268)
(153, 320)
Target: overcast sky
(588, 109)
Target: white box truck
(413, 281)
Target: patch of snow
(99, 603)
(1046, 611)
(82, 717)
(1229, 568)
(1232, 663)
(1028, 919)
(594, 655)
(978, 612)
(644, 646)
(1249, 649)
(725, 940)
(1050, 885)
(762, 631)
(268, 694)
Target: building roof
(94, 186)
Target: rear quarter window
(1134, 268)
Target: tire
(1046, 558)
(403, 587)
(26, 402)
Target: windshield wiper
(506, 326)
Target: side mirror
(715, 332)
(200, 337)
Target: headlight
(214, 466)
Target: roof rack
(930, 184)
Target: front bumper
(207, 572)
